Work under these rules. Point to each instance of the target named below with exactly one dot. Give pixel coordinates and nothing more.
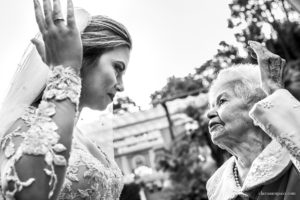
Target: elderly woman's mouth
(213, 127)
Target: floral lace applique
(286, 140)
(41, 138)
(267, 104)
(63, 83)
(7, 146)
(88, 178)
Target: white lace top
(86, 177)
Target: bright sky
(170, 37)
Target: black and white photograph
(150, 100)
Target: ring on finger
(56, 21)
(58, 18)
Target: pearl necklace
(236, 176)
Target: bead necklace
(236, 176)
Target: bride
(42, 156)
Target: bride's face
(100, 80)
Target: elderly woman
(258, 122)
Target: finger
(257, 47)
(40, 47)
(57, 13)
(264, 56)
(252, 53)
(70, 16)
(261, 51)
(39, 17)
(48, 12)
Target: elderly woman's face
(99, 82)
(228, 116)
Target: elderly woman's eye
(221, 101)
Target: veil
(29, 81)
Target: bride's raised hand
(62, 42)
(271, 67)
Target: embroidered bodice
(86, 177)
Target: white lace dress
(86, 177)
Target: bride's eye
(117, 68)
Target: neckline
(102, 157)
(270, 164)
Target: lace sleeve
(279, 116)
(38, 136)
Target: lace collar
(269, 165)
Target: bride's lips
(111, 96)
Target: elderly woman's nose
(212, 113)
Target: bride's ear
(83, 18)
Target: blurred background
(159, 127)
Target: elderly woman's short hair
(244, 80)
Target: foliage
(201, 78)
(273, 22)
(183, 163)
(124, 104)
(177, 86)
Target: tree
(184, 166)
(176, 86)
(273, 22)
(201, 78)
(124, 104)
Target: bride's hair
(100, 35)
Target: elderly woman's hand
(62, 41)
(271, 68)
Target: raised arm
(35, 150)
(279, 113)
